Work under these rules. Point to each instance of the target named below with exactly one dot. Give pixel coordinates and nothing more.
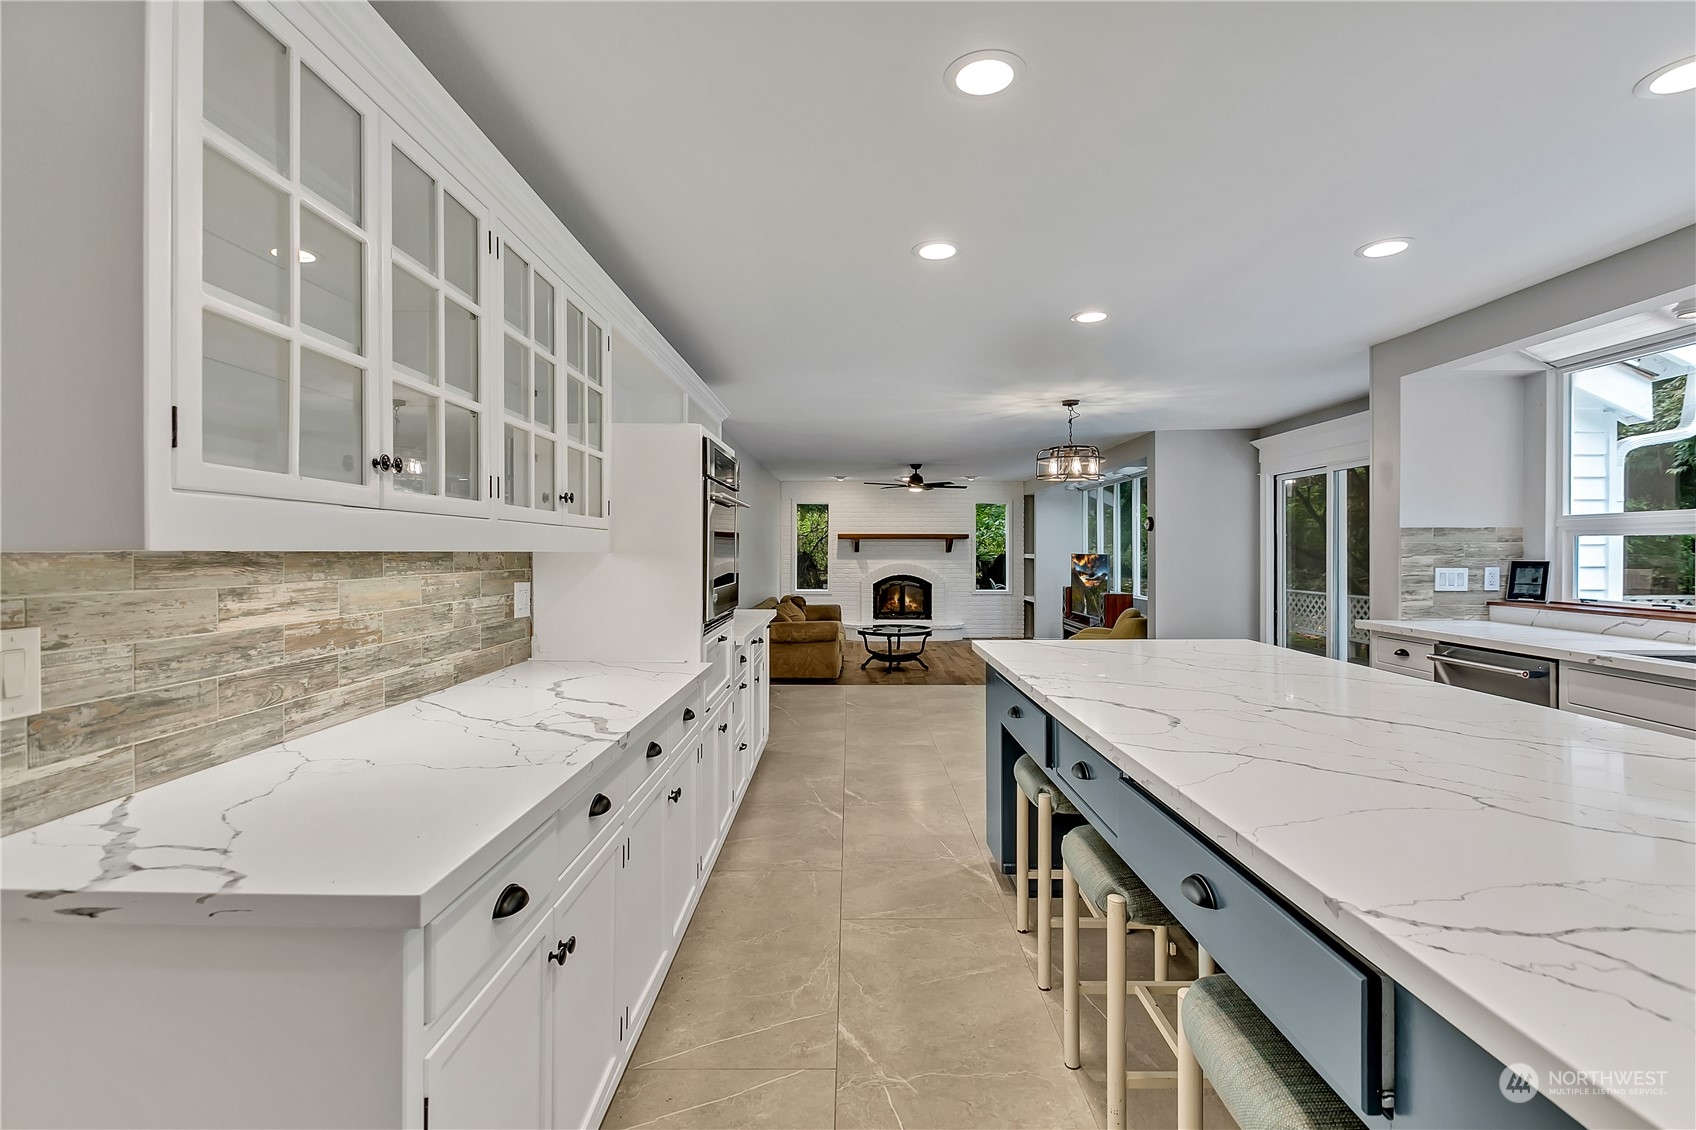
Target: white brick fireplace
(959, 609)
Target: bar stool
(1120, 903)
(1036, 790)
(1261, 1079)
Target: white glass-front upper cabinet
(531, 469)
(435, 241)
(588, 361)
(361, 315)
(275, 246)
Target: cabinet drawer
(1625, 697)
(617, 783)
(1405, 656)
(1019, 716)
(1088, 778)
(1326, 1002)
(467, 936)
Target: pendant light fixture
(1070, 462)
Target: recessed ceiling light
(842, 478)
(936, 249)
(1685, 311)
(1674, 78)
(983, 72)
(1382, 248)
(1089, 317)
(305, 255)
(970, 478)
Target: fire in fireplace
(901, 597)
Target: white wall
(71, 317)
(1204, 576)
(642, 394)
(862, 509)
(758, 530)
(1463, 450)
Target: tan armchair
(806, 649)
(1129, 626)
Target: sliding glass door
(1321, 527)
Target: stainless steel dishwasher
(1527, 678)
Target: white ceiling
(755, 174)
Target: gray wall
(71, 277)
(1206, 529)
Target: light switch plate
(1452, 580)
(1492, 578)
(20, 673)
(521, 600)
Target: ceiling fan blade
(947, 486)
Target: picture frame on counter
(1528, 580)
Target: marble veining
(1528, 873)
(1595, 648)
(378, 821)
(1635, 627)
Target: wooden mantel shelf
(947, 540)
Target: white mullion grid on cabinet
(527, 335)
(395, 140)
(194, 135)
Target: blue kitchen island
(1420, 885)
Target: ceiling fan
(916, 482)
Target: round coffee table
(893, 635)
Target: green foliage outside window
(990, 543)
(812, 545)
(1661, 476)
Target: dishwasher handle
(1491, 667)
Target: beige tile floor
(853, 961)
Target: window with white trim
(1627, 531)
(812, 546)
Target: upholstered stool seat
(1037, 791)
(1262, 1080)
(1100, 872)
(1119, 903)
(1033, 782)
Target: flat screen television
(1091, 574)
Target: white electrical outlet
(1451, 580)
(521, 600)
(20, 672)
(1492, 578)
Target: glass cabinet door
(531, 303)
(279, 255)
(437, 307)
(587, 363)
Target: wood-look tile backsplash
(156, 665)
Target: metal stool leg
(1044, 889)
(1115, 1012)
(1022, 864)
(1069, 971)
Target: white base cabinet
(200, 1019)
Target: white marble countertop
(1528, 873)
(380, 821)
(1597, 649)
(748, 622)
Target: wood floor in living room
(853, 962)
